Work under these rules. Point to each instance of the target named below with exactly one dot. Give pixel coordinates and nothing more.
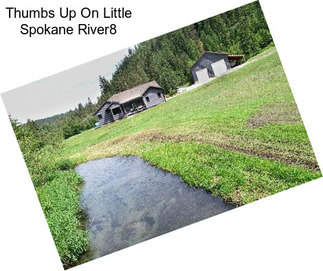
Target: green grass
(237, 177)
(60, 202)
(58, 188)
(268, 49)
(239, 136)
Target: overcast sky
(61, 92)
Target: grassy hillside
(239, 136)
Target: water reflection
(128, 201)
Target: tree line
(168, 58)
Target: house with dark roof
(130, 101)
(213, 64)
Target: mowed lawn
(239, 136)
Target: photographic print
(161, 135)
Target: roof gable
(133, 93)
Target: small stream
(128, 201)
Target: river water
(128, 201)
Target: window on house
(116, 111)
(99, 116)
(159, 95)
(147, 99)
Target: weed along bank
(129, 102)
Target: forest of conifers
(168, 58)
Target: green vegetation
(172, 92)
(74, 121)
(57, 186)
(59, 199)
(239, 136)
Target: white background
(281, 232)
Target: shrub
(172, 92)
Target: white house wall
(219, 67)
(202, 76)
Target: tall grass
(58, 188)
(57, 185)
